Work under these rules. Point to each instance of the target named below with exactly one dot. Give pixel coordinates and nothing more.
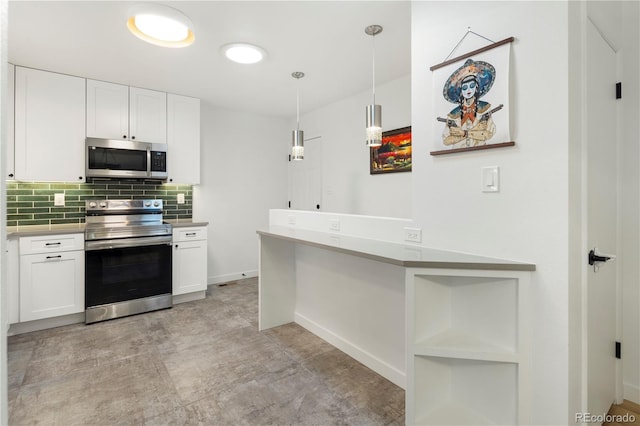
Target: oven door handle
(127, 242)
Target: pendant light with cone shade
(297, 136)
(374, 112)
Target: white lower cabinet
(13, 281)
(51, 276)
(189, 260)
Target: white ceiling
(324, 39)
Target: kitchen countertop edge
(178, 223)
(394, 253)
(39, 230)
(76, 228)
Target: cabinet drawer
(189, 234)
(51, 243)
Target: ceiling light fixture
(374, 112)
(244, 53)
(297, 136)
(160, 25)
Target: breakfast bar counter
(425, 319)
(412, 256)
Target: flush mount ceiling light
(160, 25)
(374, 112)
(243, 53)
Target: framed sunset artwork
(394, 155)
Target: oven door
(127, 269)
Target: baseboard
(631, 393)
(43, 324)
(384, 369)
(219, 279)
(189, 297)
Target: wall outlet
(58, 199)
(334, 225)
(291, 220)
(413, 234)
(180, 198)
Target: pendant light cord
(298, 105)
(373, 49)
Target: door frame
(584, 247)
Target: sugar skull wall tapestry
(471, 101)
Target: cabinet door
(107, 110)
(49, 126)
(189, 266)
(183, 138)
(147, 115)
(10, 161)
(51, 284)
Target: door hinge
(619, 350)
(619, 90)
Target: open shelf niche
(467, 331)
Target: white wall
(243, 175)
(528, 219)
(4, 411)
(347, 186)
(630, 201)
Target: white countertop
(406, 255)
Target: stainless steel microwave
(112, 158)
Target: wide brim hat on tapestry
(484, 72)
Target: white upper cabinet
(107, 110)
(147, 115)
(183, 138)
(11, 96)
(49, 126)
(115, 111)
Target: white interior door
(305, 178)
(601, 194)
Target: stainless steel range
(127, 259)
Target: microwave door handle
(148, 161)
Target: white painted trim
(632, 393)
(219, 279)
(387, 371)
(189, 297)
(43, 324)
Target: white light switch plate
(491, 179)
(180, 198)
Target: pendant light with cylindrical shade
(297, 136)
(374, 111)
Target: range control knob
(92, 204)
(147, 203)
(103, 204)
(156, 203)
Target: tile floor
(200, 363)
